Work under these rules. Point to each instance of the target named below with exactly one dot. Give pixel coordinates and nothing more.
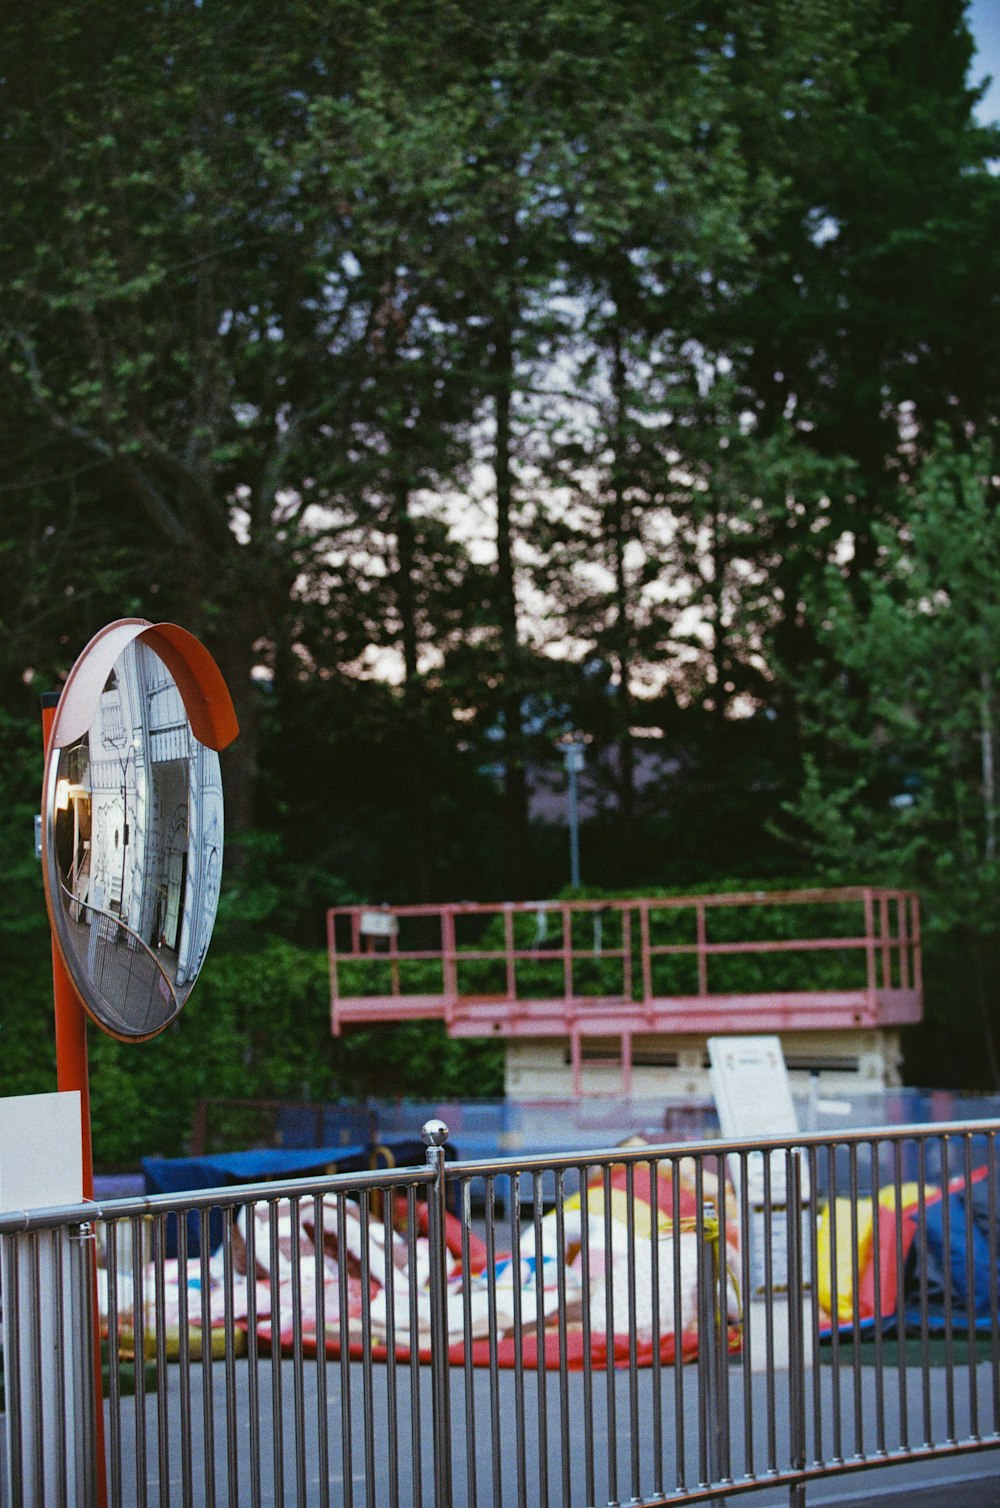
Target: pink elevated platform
(767, 961)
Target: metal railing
(811, 958)
(674, 1324)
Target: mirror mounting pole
(71, 1018)
(72, 1073)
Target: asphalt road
(261, 1441)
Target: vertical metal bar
(208, 1391)
(367, 1389)
(946, 1262)
(704, 1285)
(449, 967)
(139, 1343)
(588, 1355)
(14, 1403)
(162, 1401)
(491, 1311)
(567, 951)
(91, 1392)
(853, 1184)
(970, 1290)
(835, 1398)
(20, 1404)
(347, 1458)
(657, 1364)
(702, 939)
(394, 976)
(35, 1350)
(114, 1365)
(921, 1246)
(435, 1134)
(543, 1421)
(709, 1467)
(633, 1365)
(416, 1451)
(880, 1444)
(796, 1311)
(627, 981)
(467, 1343)
(253, 1355)
(573, 818)
(646, 962)
(903, 1401)
(564, 1429)
(322, 1419)
(518, 1335)
(391, 1396)
(298, 1359)
(746, 1305)
(277, 1410)
(991, 1166)
(675, 1216)
(609, 1330)
(229, 1341)
(184, 1359)
(817, 1382)
(721, 1332)
(56, 1240)
(509, 960)
(870, 976)
(772, 1443)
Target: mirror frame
(210, 712)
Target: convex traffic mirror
(133, 821)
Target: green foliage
(27, 1061)
(901, 780)
(463, 377)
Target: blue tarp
(173, 1175)
(169, 1175)
(948, 1258)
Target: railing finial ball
(434, 1133)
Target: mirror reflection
(135, 850)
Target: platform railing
(677, 1323)
(849, 947)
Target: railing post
(702, 937)
(449, 964)
(435, 1134)
(870, 976)
(796, 1327)
(709, 1364)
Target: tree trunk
(622, 617)
(988, 767)
(515, 777)
(419, 791)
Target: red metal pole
(72, 1073)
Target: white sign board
(378, 924)
(41, 1151)
(751, 1088)
(49, 1359)
(754, 1099)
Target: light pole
(573, 756)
